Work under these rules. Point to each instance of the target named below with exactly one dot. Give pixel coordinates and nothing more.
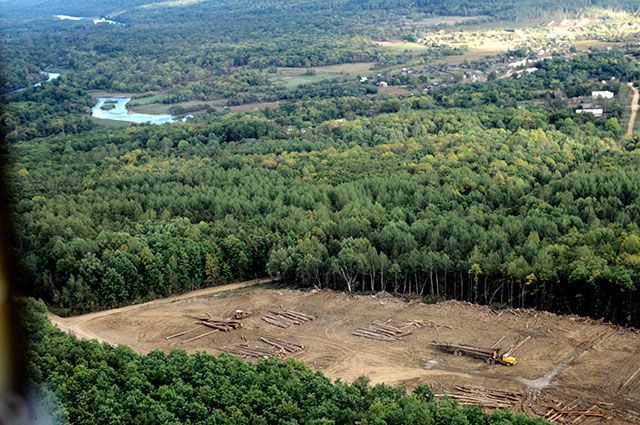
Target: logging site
(569, 369)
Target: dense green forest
(89, 383)
(431, 177)
(231, 50)
(418, 196)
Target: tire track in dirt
(332, 349)
(78, 325)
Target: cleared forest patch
(570, 369)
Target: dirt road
(568, 363)
(634, 108)
(79, 325)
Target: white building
(602, 94)
(519, 63)
(596, 112)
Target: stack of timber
(491, 398)
(471, 350)
(382, 331)
(217, 325)
(286, 318)
(284, 346)
(256, 352)
(573, 413)
(224, 325)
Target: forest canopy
(433, 149)
(505, 206)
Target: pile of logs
(224, 325)
(284, 346)
(217, 325)
(277, 347)
(572, 413)
(255, 352)
(491, 398)
(286, 318)
(382, 331)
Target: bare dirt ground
(582, 368)
(634, 109)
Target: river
(50, 77)
(119, 112)
(82, 18)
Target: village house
(602, 94)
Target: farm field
(258, 106)
(294, 77)
(402, 46)
(566, 364)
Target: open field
(165, 108)
(110, 123)
(148, 100)
(344, 68)
(258, 106)
(569, 364)
(444, 20)
(394, 91)
(294, 77)
(586, 45)
(470, 55)
(401, 46)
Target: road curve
(77, 325)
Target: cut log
(248, 351)
(286, 317)
(182, 333)
(513, 349)
(283, 345)
(302, 316)
(275, 322)
(280, 318)
(372, 335)
(498, 342)
(200, 336)
(631, 378)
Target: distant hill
(514, 9)
(70, 7)
(201, 9)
